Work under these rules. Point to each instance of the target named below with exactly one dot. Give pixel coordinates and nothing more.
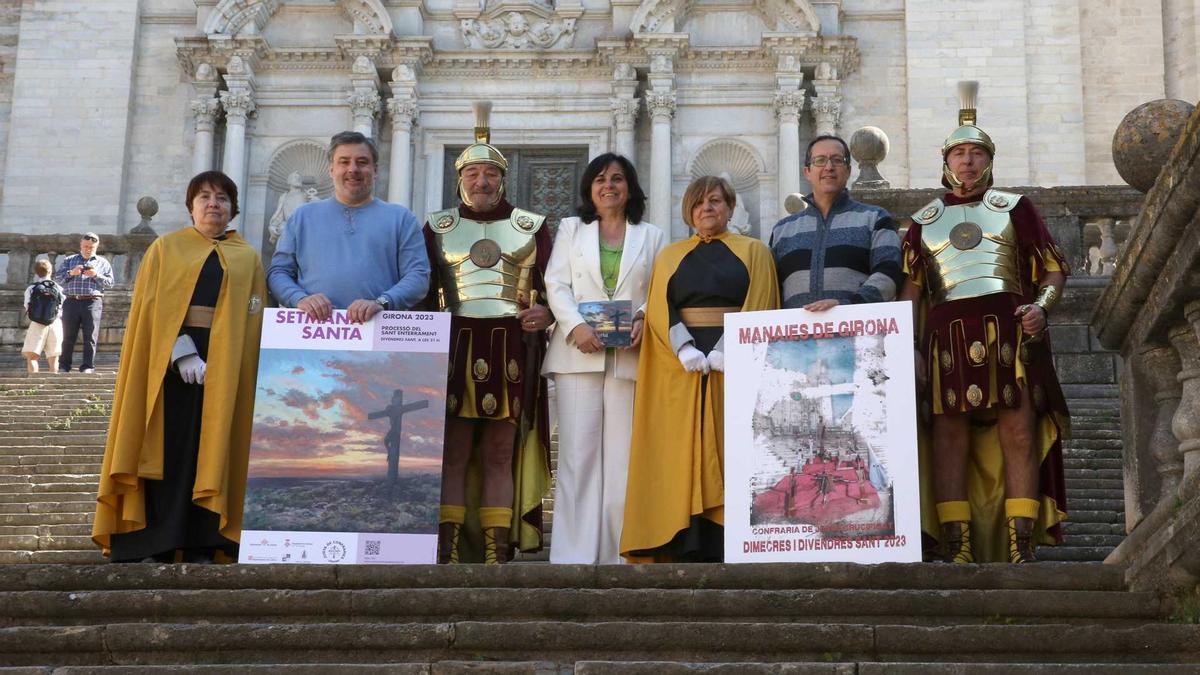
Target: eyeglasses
(90, 239)
(822, 160)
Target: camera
(86, 266)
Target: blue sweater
(350, 254)
(851, 256)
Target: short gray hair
(352, 138)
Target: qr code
(372, 547)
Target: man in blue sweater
(836, 250)
(351, 251)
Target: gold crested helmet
(967, 132)
(481, 151)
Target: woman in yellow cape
(675, 499)
(174, 471)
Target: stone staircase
(834, 618)
(1094, 476)
(52, 431)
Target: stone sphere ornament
(1144, 140)
(869, 146)
(147, 207)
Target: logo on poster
(334, 551)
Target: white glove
(191, 369)
(716, 360)
(693, 359)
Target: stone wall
(1182, 47)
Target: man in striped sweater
(836, 250)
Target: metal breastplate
(971, 249)
(484, 267)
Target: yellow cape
(134, 451)
(676, 458)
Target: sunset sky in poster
(310, 414)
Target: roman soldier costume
(979, 261)
(488, 265)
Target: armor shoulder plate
(1000, 201)
(929, 213)
(526, 221)
(442, 222)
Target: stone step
(1095, 433)
(1095, 444)
(591, 605)
(1097, 484)
(1073, 539)
(88, 468)
(46, 518)
(1091, 463)
(1074, 494)
(1085, 473)
(1073, 528)
(1081, 515)
(62, 438)
(1073, 553)
(765, 576)
(72, 557)
(30, 497)
(66, 542)
(1112, 505)
(809, 668)
(570, 642)
(89, 424)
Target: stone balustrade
(18, 252)
(1150, 312)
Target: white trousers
(595, 420)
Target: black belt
(84, 297)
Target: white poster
(346, 447)
(821, 436)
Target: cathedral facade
(106, 101)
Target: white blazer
(573, 276)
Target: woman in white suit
(607, 253)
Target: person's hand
(361, 310)
(716, 360)
(89, 272)
(534, 319)
(76, 271)
(922, 372)
(191, 369)
(693, 359)
(585, 339)
(635, 333)
(1033, 318)
(316, 306)
(821, 305)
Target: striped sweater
(851, 256)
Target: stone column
(661, 106)
(827, 105)
(788, 105)
(404, 113)
(624, 108)
(205, 109)
(1161, 365)
(363, 96)
(238, 103)
(402, 106)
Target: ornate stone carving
(1102, 258)
(660, 103)
(826, 71)
(238, 17)
(238, 105)
(404, 112)
(788, 105)
(296, 195)
(659, 16)
(369, 16)
(364, 103)
(363, 67)
(205, 110)
(1186, 422)
(869, 146)
(828, 111)
(624, 71)
(518, 30)
(625, 111)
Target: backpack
(45, 302)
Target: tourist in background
(352, 251)
(43, 306)
(84, 277)
(607, 253)
(675, 501)
(836, 251)
(174, 472)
